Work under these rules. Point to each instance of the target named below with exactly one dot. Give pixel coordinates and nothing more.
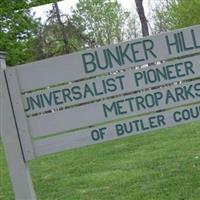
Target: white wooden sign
(98, 95)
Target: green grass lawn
(162, 165)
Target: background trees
(91, 23)
(174, 14)
(17, 27)
(56, 36)
(102, 21)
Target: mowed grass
(161, 165)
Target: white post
(18, 168)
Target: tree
(179, 13)
(16, 27)
(62, 27)
(57, 36)
(101, 20)
(160, 18)
(143, 20)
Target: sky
(65, 7)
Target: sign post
(18, 167)
(97, 95)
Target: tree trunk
(62, 27)
(143, 20)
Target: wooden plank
(18, 168)
(116, 130)
(106, 86)
(1, 99)
(21, 120)
(75, 66)
(2, 68)
(129, 105)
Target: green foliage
(93, 23)
(160, 18)
(184, 13)
(163, 165)
(16, 27)
(101, 20)
(48, 40)
(178, 14)
(23, 4)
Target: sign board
(105, 93)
